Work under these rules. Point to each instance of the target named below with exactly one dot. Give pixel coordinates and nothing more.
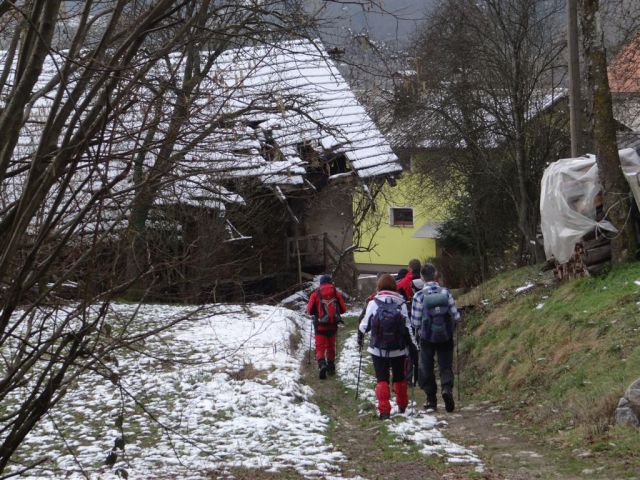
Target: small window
(401, 217)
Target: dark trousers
(427, 379)
(382, 365)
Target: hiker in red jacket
(410, 282)
(325, 306)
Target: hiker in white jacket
(390, 338)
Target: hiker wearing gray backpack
(390, 335)
(434, 316)
(325, 306)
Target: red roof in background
(624, 69)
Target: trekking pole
(458, 360)
(413, 385)
(309, 351)
(359, 368)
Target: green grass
(563, 366)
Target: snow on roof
(316, 104)
(255, 100)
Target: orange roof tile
(624, 69)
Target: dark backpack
(388, 328)
(328, 309)
(437, 325)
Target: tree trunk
(617, 199)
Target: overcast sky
(397, 24)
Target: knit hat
(401, 274)
(325, 279)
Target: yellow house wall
(395, 245)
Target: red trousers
(326, 346)
(398, 367)
(384, 396)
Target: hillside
(558, 357)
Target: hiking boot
(431, 407)
(331, 367)
(449, 403)
(385, 416)
(322, 365)
(432, 404)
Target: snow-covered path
(416, 426)
(218, 391)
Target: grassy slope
(563, 366)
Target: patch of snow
(524, 288)
(301, 295)
(540, 306)
(637, 282)
(220, 390)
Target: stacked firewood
(591, 256)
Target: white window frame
(391, 216)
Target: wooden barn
(257, 191)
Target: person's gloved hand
(360, 340)
(413, 350)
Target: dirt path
(506, 453)
(372, 451)
(365, 441)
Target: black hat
(402, 273)
(325, 279)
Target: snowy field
(217, 391)
(414, 425)
(220, 390)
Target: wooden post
(324, 251)
(299, 261)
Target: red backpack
(328, 309)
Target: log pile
(591, 256)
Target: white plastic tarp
(630, 162)
(567, 210)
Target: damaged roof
(274, 113)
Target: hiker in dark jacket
(325, 306)
(394, 358)
(408, 282)
(434, 316)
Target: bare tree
(109, 109)
(617, 199)
(488, 77)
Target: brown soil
(506, 453)
(364, 439)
